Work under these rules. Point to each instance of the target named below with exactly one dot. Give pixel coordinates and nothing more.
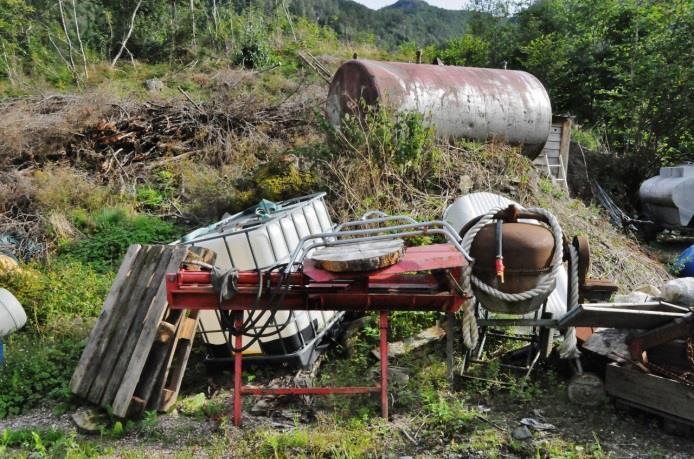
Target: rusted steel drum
(528, 250)
(459, 102)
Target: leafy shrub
(35, 370)
(403, 142)
(280, 179)
(254, 50)
(159, 193)
(62, 189)
(447, 414)
(205, 192)
(58, 292)
(110, 232)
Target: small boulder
(521, 433)
(154, 85)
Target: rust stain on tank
(466, 102)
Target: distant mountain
(408, 5)
(405, 20)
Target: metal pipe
(447, 231)
(370, 221)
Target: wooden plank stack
(137, 347)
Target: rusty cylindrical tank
(459, 102)
(527, 251)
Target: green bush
(110, 233)
(403, 142)
(35, 370)
(58, 292)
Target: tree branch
(79, 39)
(127, 36)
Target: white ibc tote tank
(260, 238)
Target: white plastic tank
(12, 315)
(669, 197)
(260, 239)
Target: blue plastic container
(684, 265)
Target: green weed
(47, 443)
(110, 232)
(327, 439)
(36, 370)
(59, 293)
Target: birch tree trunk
(127, 36)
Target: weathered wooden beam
(97, 338)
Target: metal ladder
(557, 171)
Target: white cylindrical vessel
(12, 315)
(668, 198)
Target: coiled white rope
(544, 286)
(470, 330)
(568, 348)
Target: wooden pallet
(177, 360)
(648, 392)
(129, 345)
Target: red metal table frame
(417, 283)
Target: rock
(154, 85)
(90, 420)
(521, 433)
(586, 389)
(396, 375)
(411, 343)
(537, 425)
(679, 291)
(651, 290)
(634, 297)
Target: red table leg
(238, 343)
(383, 323)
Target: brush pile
(103, 136)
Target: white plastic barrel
(12, 315)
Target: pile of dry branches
(97, 134)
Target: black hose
(226, 283)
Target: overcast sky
(448, 4)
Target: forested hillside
(623, 68)
(405, 20)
